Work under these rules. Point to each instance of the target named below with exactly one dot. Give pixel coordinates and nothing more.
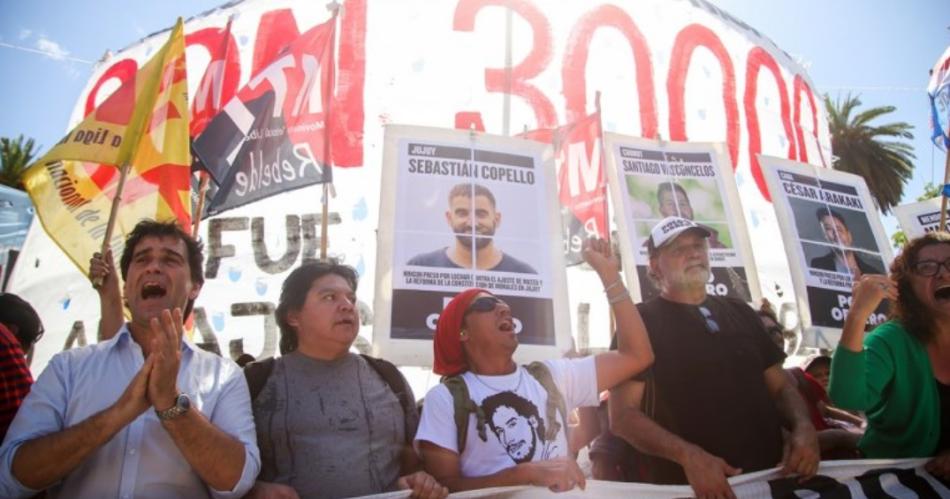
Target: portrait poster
(651, 180)
(833, 235)
(919, 218)
(462, 209)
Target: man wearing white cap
(715, 401)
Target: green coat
(893, 383)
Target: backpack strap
(397, 383)
(256, 374)
(463, 406)
(555, 403)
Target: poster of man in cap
(832, 236)
(653, 180)
(458, 210)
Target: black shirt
(944, 393)
(707, 384)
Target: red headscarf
(447, 347)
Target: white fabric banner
(859, 479)
(674, 70)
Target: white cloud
(25, 33)
(51, 49)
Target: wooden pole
(113, 213)
(943, 197)
(327, 157)
(199, 210)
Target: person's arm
(634, 352)
(40, 462)
(558, 475)
(413, 477)
(223, 462)
(707, 474)
(840, 415)
(854, 384)
(802, 454)
(102, 267)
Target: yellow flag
(144, 123)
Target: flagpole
(216, 103)
(603, 165)
(327, 157)
(113, 214)
(202, 189)
(943, 193)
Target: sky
(879, 49)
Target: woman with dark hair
(899, 375)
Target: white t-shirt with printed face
(515, 408)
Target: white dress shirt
(141, 460)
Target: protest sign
(462, 210)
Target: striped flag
(939, 91)
(144, 124)
(272, 136)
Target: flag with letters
(144, 124)
(581, 180)
(272, 136)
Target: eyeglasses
(711, 325)
(484, 304)
(930, 268)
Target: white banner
(860, 479)
(832, 228)
(680, 70)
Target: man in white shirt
(474, 343)
(145, 414)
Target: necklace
(518, 386)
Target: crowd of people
(693, 390)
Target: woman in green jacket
(899, 375)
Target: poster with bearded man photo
(461, 209)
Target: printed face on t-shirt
(516, 433)
(515, 422)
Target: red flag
(582, 182)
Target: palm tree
(876, 153)
(15, 156)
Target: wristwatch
(182, 405)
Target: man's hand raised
(166, 348)
(134, 400)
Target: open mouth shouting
(942, 294)
(152, 290)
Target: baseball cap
(670, 228)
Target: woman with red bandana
(475, 340)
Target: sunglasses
(484, 304)
(711, 325)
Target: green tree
(875, 152)
(15, 156)
(931, 190)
